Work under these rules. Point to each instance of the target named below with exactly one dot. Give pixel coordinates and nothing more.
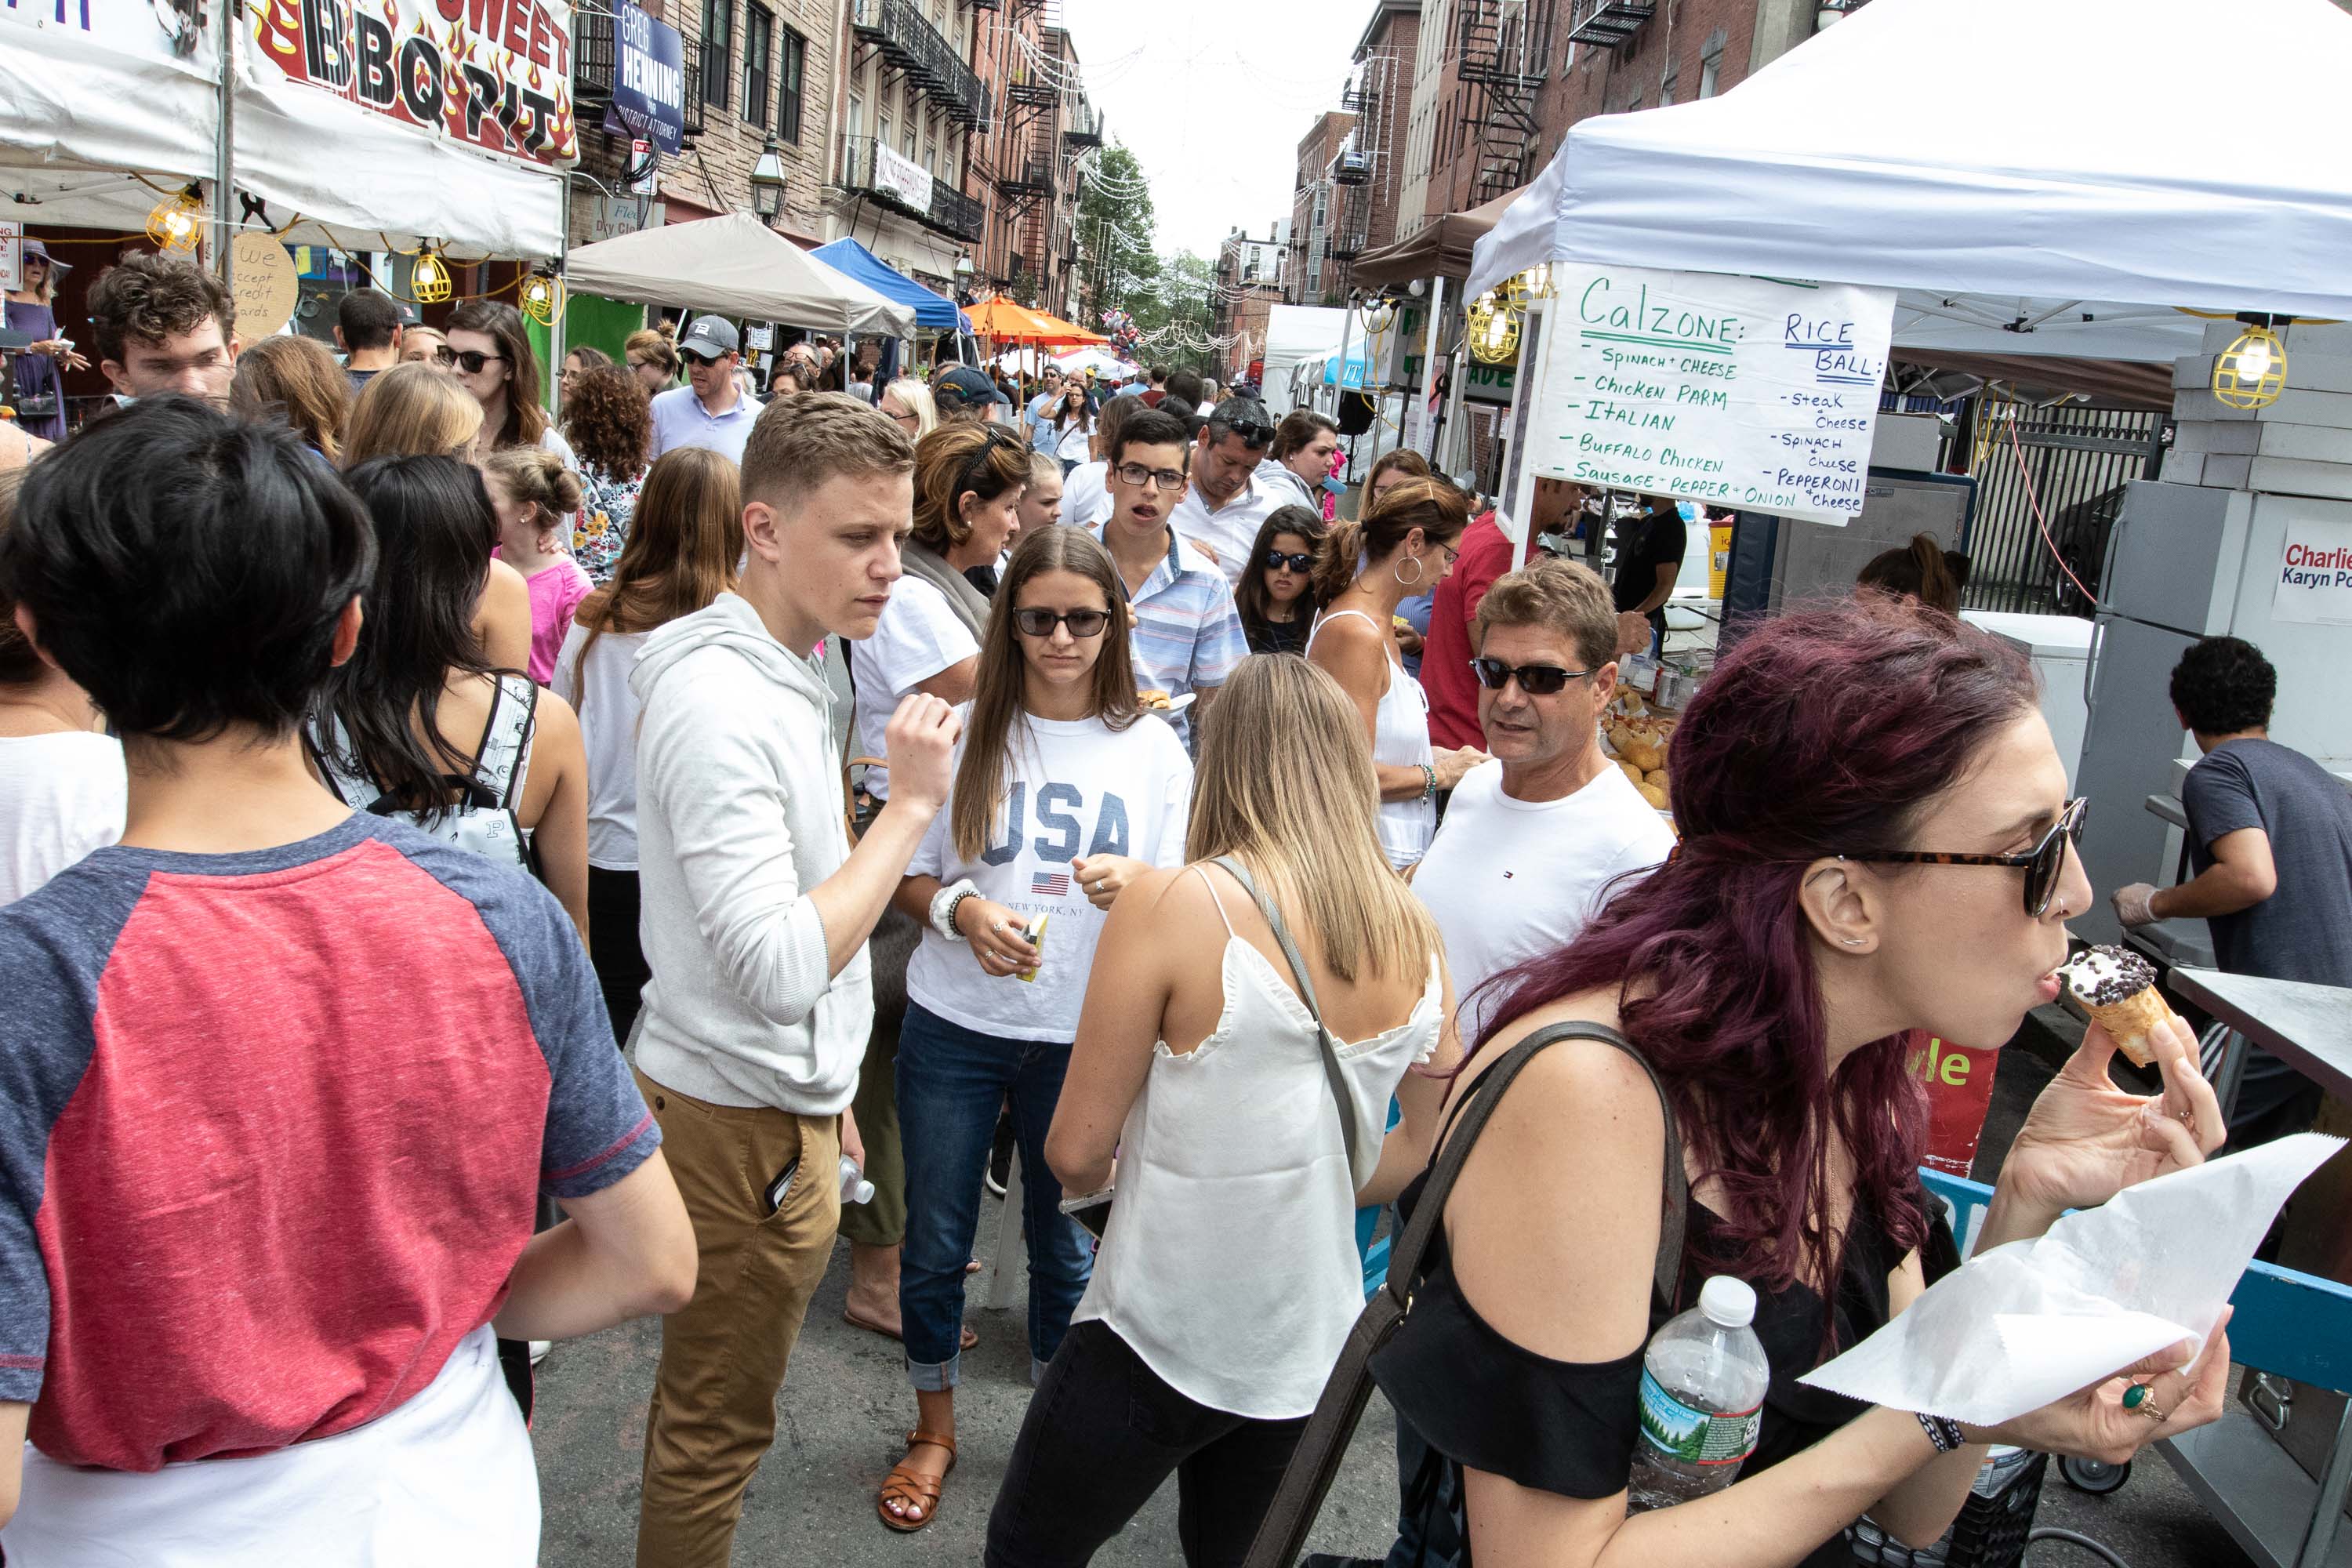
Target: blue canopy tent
(933, 312)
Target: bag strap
(1333, 1073)
(1471, 1116)
(1316, 1459)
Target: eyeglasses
(903, 418)
(1040, 623)
(467, 360)
(1535, 679)
(1277, 561)
(1138, 475)
(2044, 864)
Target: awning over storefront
(2101, 154)
(1440, 249)
(735, 265)
(933, 312)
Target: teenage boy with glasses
(1188, 636)
(1227, 504)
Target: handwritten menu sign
(1740, 392)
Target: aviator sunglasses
(2044, 863)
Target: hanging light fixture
(1493, 330)
(178, 221)
(429, 276)
(543, 296)
(2252, 371)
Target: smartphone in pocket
(781, 1184)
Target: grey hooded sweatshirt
(739, 817)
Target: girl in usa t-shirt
(1064, 794)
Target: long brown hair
(293, 380)
(1001, 687)
(1433, 506)
(956, 460)
(526, 419)
(685, 538)
(1249, 594)
(412, 410)
(1314, 844)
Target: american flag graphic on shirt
(1052, 884)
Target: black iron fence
(2069, 462)
(950, 211)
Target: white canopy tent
(736, 265)
(1299, 333)
(2003, 164)
(84, 113)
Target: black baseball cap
(968, 386)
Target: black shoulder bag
(1282, 1535)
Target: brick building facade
(1313, 278)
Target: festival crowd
(439, 922)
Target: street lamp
(963, 267)
(767, 181)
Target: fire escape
(1028, 161)
(1505, 47)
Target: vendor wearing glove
(1877, 842)
(2270, 837)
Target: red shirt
(1445, 677)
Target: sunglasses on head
(467, 360)
(1280, 560)
(1252, 433)
(1040, 623)
(2043, 865)
(1535, 679)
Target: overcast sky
(1211, 96)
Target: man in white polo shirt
(711, 409)
(1223, 510)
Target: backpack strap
(1315, 1461)
(1333, 1073)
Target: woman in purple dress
(40, 395)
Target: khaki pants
(723, 1357)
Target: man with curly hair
(165, 324)
(2270, 837)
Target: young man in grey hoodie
(756, 913)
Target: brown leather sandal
(911, 1487)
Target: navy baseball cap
(969, 385)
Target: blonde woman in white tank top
(1228, 1277)
(1406, 543)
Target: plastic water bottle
(1703, 1384)
(854, 1187)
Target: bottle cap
(1729, 1302)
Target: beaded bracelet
(1429, 781)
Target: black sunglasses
(1252, 434)
(1040, 623)
(1535, 679)
(969, 476)
(1277, 561)
(2044, 864)
(467, 360)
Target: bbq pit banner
(1741, 392)
(494, 73)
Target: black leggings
(621, 968)
(1101, 1434)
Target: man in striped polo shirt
(1188, 636)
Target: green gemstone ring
(2135, 1397)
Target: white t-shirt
(1076, 444)
(1074, 788)
(608, 730)
(62, 796)
(1232, 528)
(1508, 879)
(917, 637)
(1086, 494)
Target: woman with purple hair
(1864, 793)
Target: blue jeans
(952, 1081)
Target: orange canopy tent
(1003, 321)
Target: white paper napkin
(2033, 1321)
